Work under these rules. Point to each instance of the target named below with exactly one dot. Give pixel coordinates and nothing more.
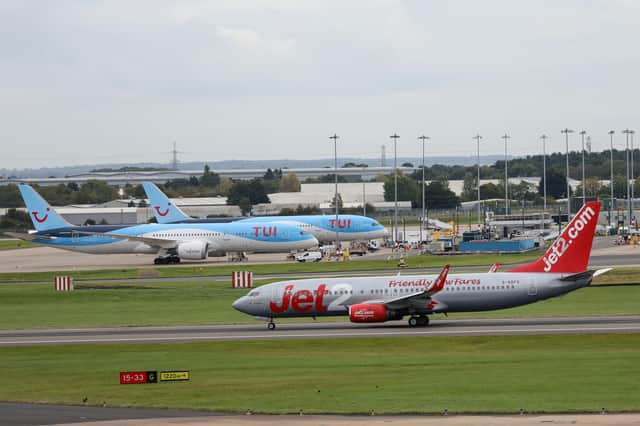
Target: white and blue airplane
(348, 226)
(170, 242)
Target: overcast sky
(118, 81)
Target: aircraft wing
(151, 241)
(407, 299)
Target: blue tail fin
(41, 213)
(163, 209)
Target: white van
(309, 256)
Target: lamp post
(584, 187)
(611, 132)
(566, 139)
(395, 188)
(364, 195)
(423, 138)
(506, 175)
(633, 179)
(627, 132)
(544, 178)
(477, 138)
(335, 138)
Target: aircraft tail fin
(570, 252)
(43, 216)
(163, 209)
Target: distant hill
(244, 164)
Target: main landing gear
(419, 321)
(271, 325)
(166, 260)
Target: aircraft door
(75, 235)
(532, 287)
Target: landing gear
(271, 325)
(419, 321)
(166, 260)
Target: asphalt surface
(329, 330)
(604, 254)
(21, 414)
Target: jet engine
(193, 250)
(371, 313)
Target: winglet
(43, 216)
(163, 209)
(494, 267)
(439, 282)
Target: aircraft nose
(239, 304)
(385, 232)
(311, 242)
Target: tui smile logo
(162, 213)
(43, 219)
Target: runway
(327, 330)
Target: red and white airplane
(562, 269)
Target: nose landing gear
(271, 325)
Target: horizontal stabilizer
(28, 237)
(601, 271)
(579, 276)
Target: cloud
(254, 48)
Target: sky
(90, 82)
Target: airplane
(170, 242)
(372, 299)
(323, 227)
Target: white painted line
(268, 335)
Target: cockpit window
(254, 294)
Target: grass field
(394, 375)
(15, 244)
(169, 303)
(290, 267)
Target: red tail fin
(570, 251)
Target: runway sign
(63, 283)
(174, 376)
(138, 377)
(242, 279)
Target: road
(332, 330)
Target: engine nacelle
(368, 313)
(193, 250)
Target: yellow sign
(172, 376)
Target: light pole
(544, 178)
(364, 195)
(335, 138)
(506, 175)
(633, 180)
(423, 138)
(627, 132)
(611, 132)
(584, 187)
(566, 139)
(477, 138)
(395, 188)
